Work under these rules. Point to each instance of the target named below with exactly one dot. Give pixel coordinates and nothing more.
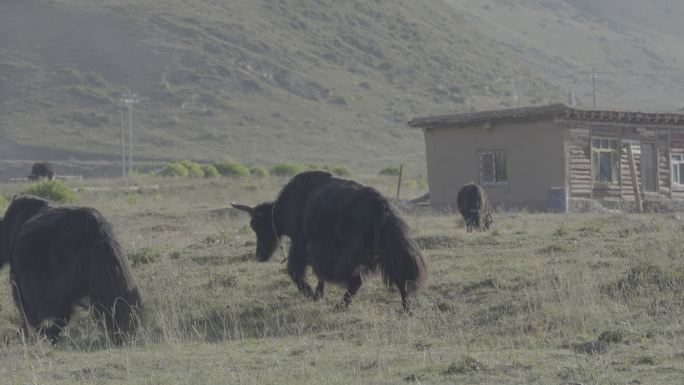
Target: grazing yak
(42, 170)
(474, 206)
(343, 230)
(60, 256)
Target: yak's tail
(113, 292)
(401, 261)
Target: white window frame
(493, 154)
(595, 169)
(677, 162)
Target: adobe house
(524, 156)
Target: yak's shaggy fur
(60, 256)
(42, 170)
(474, 206)
(340, 228)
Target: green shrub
(258, 172)
(174, 169)
(390, 171)
(144, 256)
(52, 190)
(343, 171)
(287, 169)
(3, 202)
(194, 169)
(209, 170)
(232, 169)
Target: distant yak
(474, 206)
(60, 256)
(42, 170)
(340, 228)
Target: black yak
(42, 170)
(60, 256)
(474, 206)
(340, 228)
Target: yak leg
(405, 301)
(31, 319)
(320, 290)
(353, 286)
(34, 321)
(296, 267)
(59, 323)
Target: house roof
(550, 111)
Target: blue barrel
(558, 200)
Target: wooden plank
(580, 161)
(580, 168)
(635, 180)
(606, 186)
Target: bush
(390, 171)
(194, 169)
(52, 190)
(174, 169)
(144, 255)
(287, 169)
(258, 171)
(232, 169)
(3, 202)
(209, 170)
(339, 170)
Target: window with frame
(605, 160)
(677, 162)
(493, 167)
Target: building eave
(551, 111)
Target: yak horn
(242, 207)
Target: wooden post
(635, 179)
(123, 146)
(401, 172)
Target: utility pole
(130, 99)
(123, 145)
(593, 84)
(514, 89)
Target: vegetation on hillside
(262, 81)
(635, 46)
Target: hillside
(259, 81)
(634, 45)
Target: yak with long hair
(474, 207)
(343, 230)
(61, 256)
(41, 170)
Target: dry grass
(545, 299)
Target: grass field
(541, 299)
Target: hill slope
(635, 45)
(260, 81)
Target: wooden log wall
(664, 178)
(667, 139)
(579, 150)
(676, 148)
(625, 172)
